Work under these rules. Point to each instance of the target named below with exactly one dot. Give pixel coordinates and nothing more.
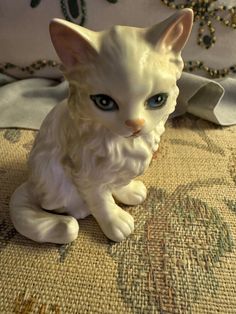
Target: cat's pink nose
(135, 124)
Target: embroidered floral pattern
(12, 135)
(71, 9)
(205, 11)
(166, 262)
(26, 303)
(7, 232)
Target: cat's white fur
(84, 159)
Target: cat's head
(123, 78)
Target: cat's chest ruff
(136, 156)
(113, 160)
(144, 146)
(136, 148)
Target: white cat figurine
(91, 147)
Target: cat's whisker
(84, 119)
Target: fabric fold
(212, 100)
(25, 103)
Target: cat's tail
(37, 224)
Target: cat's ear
(74, 44)
(171, 34)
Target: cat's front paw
(132, 194)
(118, 226)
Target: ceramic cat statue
(91, 147)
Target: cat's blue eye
(156, 101)
(104, 102)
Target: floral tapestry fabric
(180, 259)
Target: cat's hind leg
(132, 194)
(76, 206)
(37, 224)
(71, 204)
